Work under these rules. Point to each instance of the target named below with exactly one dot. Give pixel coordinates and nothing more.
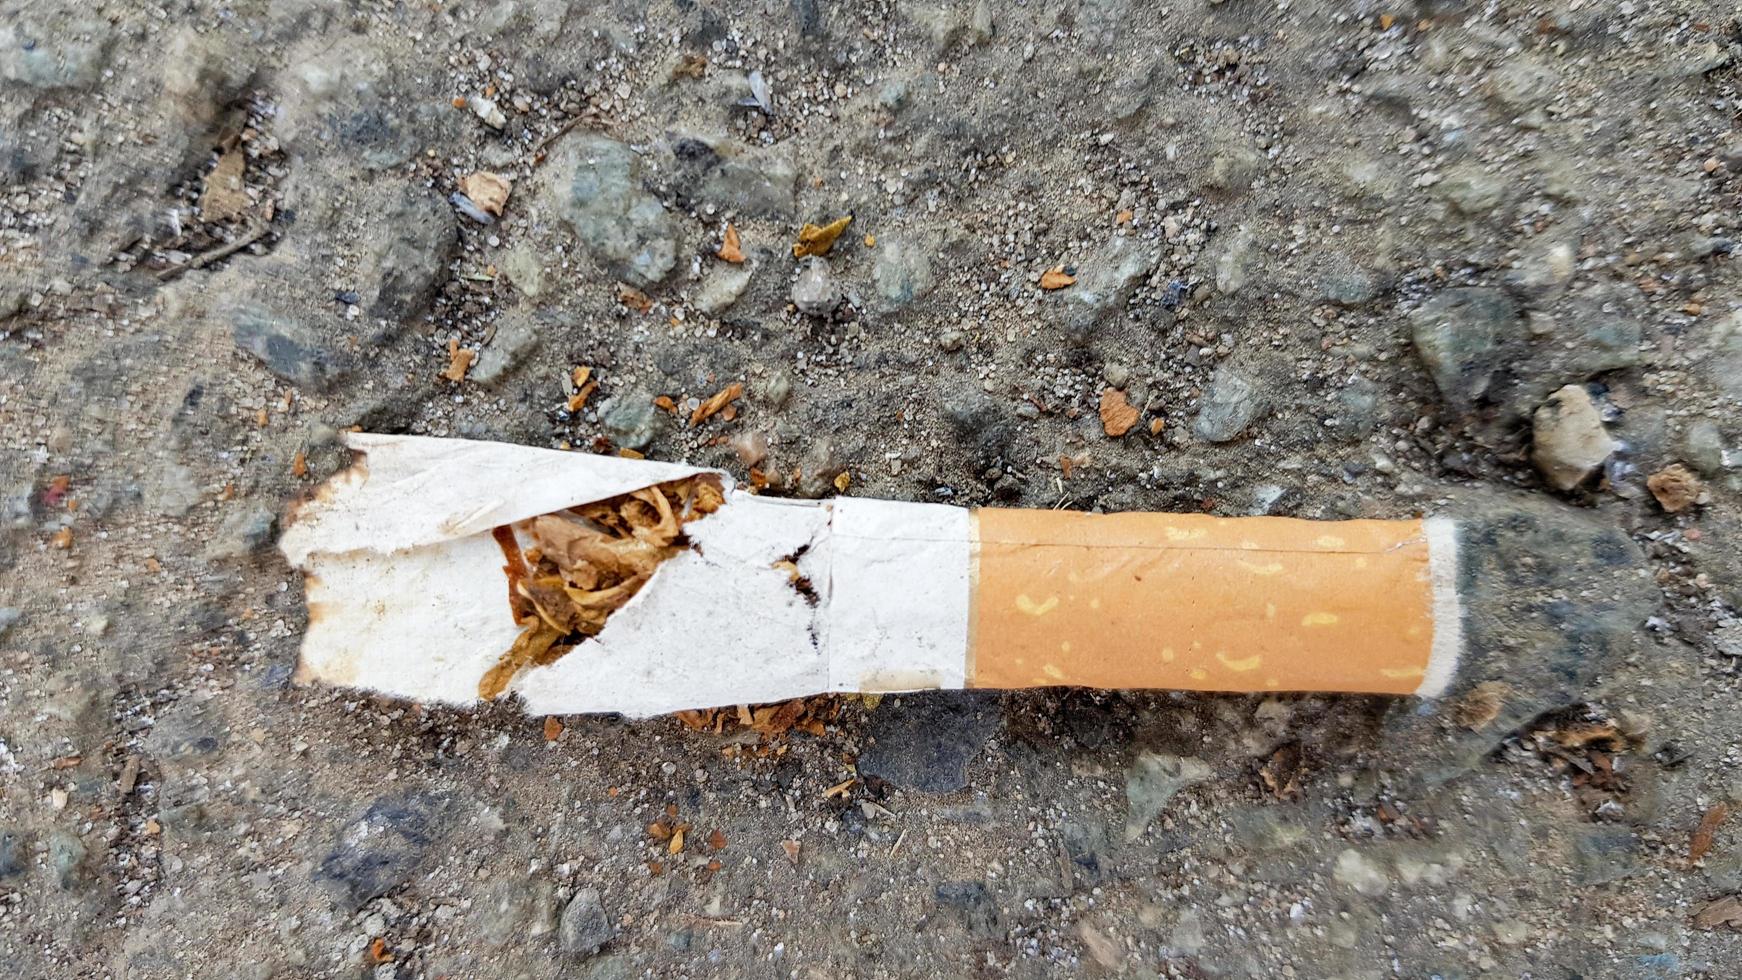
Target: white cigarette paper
(407, 594)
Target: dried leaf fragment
(553, 728)
(1676, 488)
(378, 951)
(842, 481)
(1701, 843)
(818, 239)
(1056, 278)
(1281, 772)
(676, 845)
(62, 539)
(299, 464)
(719, 400)
(730, 249)
(717, 840)
(839, 789)
(791, 847)
(459, 361)
(487, 190)
(1118, 415)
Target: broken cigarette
(449, 570)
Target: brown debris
(1675, 487)
(1701, 843)
(712, 406)
(717, 840)
(729, 249)
(818, 239)
(1118, 415)
(378, 951)
(692, 66)
(223, 198)
(553, 728)
(809, 715)
(1056, 278)
(1482, 705)
(299, 464)
(459, 361)
(487, 190)
(791, 847)
(633, 298)
(587, 562)
(1726, 911)
(1281, 772)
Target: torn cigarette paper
(430, 559)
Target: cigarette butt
(761, 600)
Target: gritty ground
(1342, 259)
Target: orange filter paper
(1194, 602)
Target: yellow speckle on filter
(1319, 619)
(1401, 673)
(1360, 562)
(1330, 541)
(1199, 673)
(1413, 631)
(1029, 606)
(1065, 646)
(1268, 568)
(1197, 644)
(1094, 602)
(1272, 682)
(1181, 534)
(1249, 545)
(1167, 655)
(1053, 672)
(1270, 610)
(1242, 663)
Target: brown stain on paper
(1194, 602)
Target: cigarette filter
(451, 570)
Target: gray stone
(722, 287)
(12, 854)
(1544, 268)
(1233, 265)
(1230, 404)
(1522, 82)
(1727, 639)
(926, 742)
(970, 901)
(1116, 374)
(1359, 872)
(1466, 337)
(1603, 854)
(243, 531)
(383, 848)
(507, 912)
(753, 183)
(1152, 782)
(585, 927)
(901, 273)
(630, 419)
(815, 292)
(977, 421)
(1347, 284)
(516, 339)
(1724, 367)
(1568, 441)
(1233, 171)
(818, 468)
(1596, 342)
(524, 269)
(408, 245)
(66, 55)
(1702, 447)
(623, 226)
(1104, 286)
(291, 351)
(774, 390)
(9, 617)
(66, 856)
(171, 489)
(1187, 935)
(1472, 190)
